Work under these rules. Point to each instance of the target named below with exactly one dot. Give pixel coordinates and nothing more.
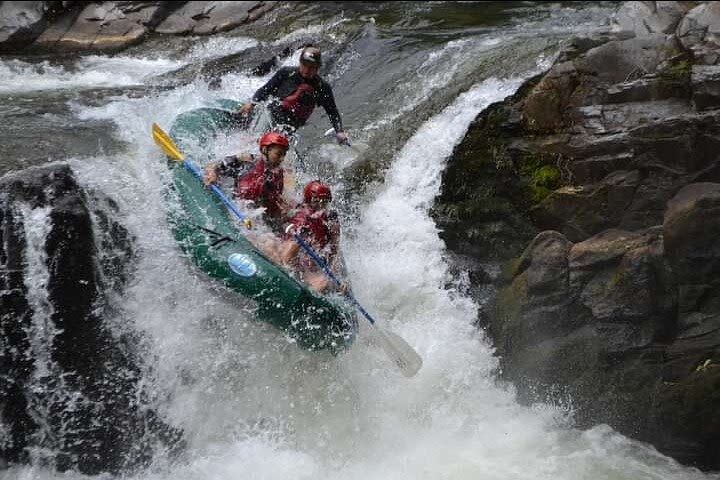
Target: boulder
(705, 82)
(596, 323)
(612, 155)
(71, 386)
(691, 226)
(548, 267)
(621, 277)
(646, 18)
(622, 60)
(207, 17)
(631, 19)
(582, 211)
(545, 108)
(21, 23)
(700, 26)
(49, 38)
(108, 26)
(689, 407)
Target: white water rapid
(251, 404)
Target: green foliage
(542, 178)
(679, 71)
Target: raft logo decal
(242, 265)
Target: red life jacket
(301, 102)
(263, 185)
(316, 228)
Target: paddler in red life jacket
(320, 228)
(298, 91)
(258, 177)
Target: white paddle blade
(402, 354)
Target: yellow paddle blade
(165, 142)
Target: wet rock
(610, 339)
(649, 88)
(647, 18)
(546, 106)
(561, 147)
(690, 406)
(691, 231)
(115, 25)
(700, 27)
(547, 267)
(705, 81)
(621, 277)
(49, 38)
(110, 26)
(606, 150)
(203, 18)
(579, 212)
(22, 22)
(71, 385)
(622, 60)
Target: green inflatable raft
(214, 239)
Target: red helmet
(316, 189)
(274, 138)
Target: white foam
(17, 76)
(96, 71)
(37, 226)
(46, 390)
(324, 29)
(212, 47)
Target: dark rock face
(69, 385)
(480, 208)
(605, 171)
(627, 324)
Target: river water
(408, 78)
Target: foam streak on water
(97, 71)
(17, 76)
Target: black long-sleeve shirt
(287, 80)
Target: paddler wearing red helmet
(257, 177)
(319, 227)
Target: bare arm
(289, 250)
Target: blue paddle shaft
(330, 274)
(221, 195)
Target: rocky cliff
(596, 187)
